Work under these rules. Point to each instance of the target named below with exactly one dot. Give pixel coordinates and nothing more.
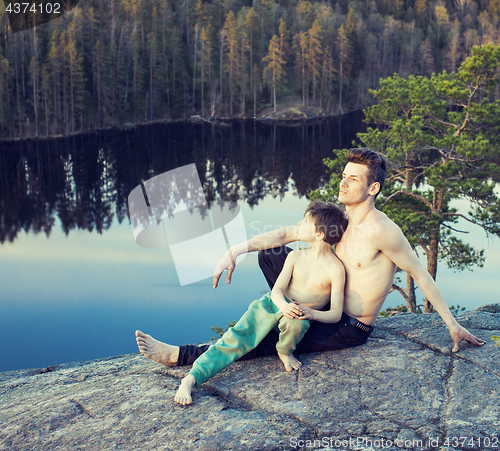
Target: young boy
(309, 279)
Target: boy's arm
(336, 301)
(393, 244)
(289, 309)
(268, 240)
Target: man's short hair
(375, 162)
(329, 219)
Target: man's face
(354, 187)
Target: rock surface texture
(402, 390)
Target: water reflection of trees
(85, 180)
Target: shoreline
(292, 115)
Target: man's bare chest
(356, 249)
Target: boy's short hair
(375, 162)
(329, 219)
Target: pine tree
(251, 24)
(98, 68)
(441, 25)
(55, 61)
(205, 57)
(421, 10)
(436, 153)
(274, 73)
(300, 51)
(284, 37)
(440, 152)
(398, 9)
(244, 47)
(171, 53)
(34, 79)
(255, 84)
(153, 57)
(427, 66)
(327, 72)
(231, 53)
(314, 56)
(305, 15)
(344, 50)
(74, 58)
(76, 80)
(6, 118)
(137, 74)
(263, 10)
(454, 53)
(45, 90)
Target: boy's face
(307, 228)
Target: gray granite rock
(403, 389)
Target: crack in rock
(81, 408)
(448, 396)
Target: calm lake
(76, 286)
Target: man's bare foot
(183, 395)
(290, 362)
(156, 350)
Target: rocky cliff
(402, 390)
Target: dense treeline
(110, 62)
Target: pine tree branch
(410, 194)
(467, 109)
(400, 290)
(424, 247)
(449, 157)
(416, 177)
(464, 217)
(455, 230)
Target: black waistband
(356, 323)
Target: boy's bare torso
(313, 279)
(369, 273)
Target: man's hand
(227, 262)
(459, 333)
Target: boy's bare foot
(290, 362)
(183, 395)
(156, 350)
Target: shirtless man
(370, 249)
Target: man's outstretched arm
(268, 240)
(393, 244)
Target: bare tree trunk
(72, 93)
(340, 89)
(410, 284)
(194, 70)
(35, 81)
(410, 290)
(432, 257)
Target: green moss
(490, 308)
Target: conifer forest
(113, 62)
